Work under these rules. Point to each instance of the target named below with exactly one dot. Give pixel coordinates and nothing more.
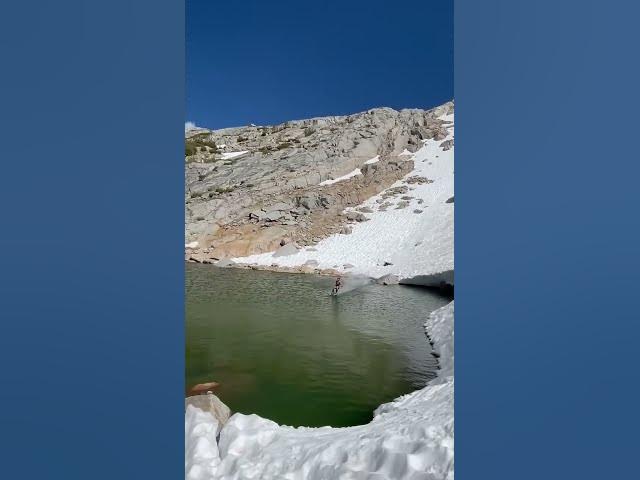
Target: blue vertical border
(91, 308)
(547, 238)
(91, 251)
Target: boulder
(274, 215)
(211, 404)
(225, 262)
(446, 145)
(365, 210)
(346, 230)
(449, 200)
(356, 217)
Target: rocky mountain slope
(252, 189)
(403, 234)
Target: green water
(282, 348)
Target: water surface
(282, 348)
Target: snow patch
(344, 177)
(230, 155)
(375, 159)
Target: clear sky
(266, 62)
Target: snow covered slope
(410, 438)
(415, 238)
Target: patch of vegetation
(201, 142)
(284, 145)
(189, 149)
(213, 191)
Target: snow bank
(357, 171)
(230, 155)
(416, 240)
(409, 438)
(201, 457)
(375, 159)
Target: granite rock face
(248, 189)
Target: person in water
(338, 285)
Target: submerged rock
(225, 262)
(204, 387)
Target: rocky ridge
(253, 189)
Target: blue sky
(266, 62)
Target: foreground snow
(409, 438)
(415, 244)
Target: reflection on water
(281, 347)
